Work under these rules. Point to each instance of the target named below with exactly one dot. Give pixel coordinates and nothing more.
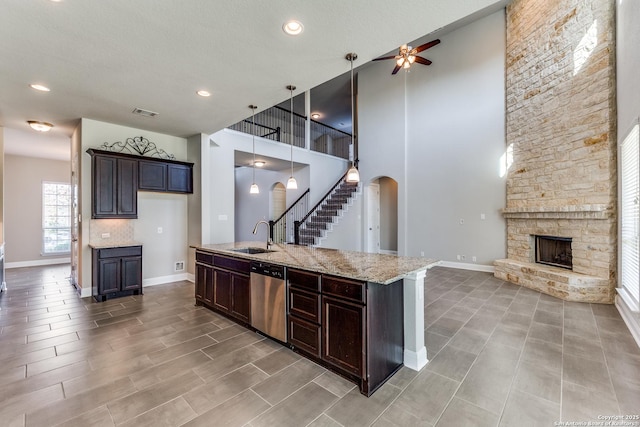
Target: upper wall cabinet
(114, 187)
(172, 177)
(117, 177)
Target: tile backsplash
(119, 230)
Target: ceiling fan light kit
(407, 56)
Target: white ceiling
(103, 58)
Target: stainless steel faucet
(255, 231)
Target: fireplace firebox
(555, 251)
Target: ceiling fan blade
(396, 69)
(384, 57)
(421, 60)
(427, 45)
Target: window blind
(630, 217)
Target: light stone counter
(377, 268)
(113, 244)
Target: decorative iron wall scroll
(138, 145)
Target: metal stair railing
(282, 227)
(323, 202)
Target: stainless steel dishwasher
(269, 299)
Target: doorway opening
(382, 216)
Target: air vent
(145, 113)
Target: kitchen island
(360, 313)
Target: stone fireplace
(561, 136)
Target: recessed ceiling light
(293, 27)
(41, 88)
(315, 115)
(258, 163)
(40, 126)
(203, 93)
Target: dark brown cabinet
(343, 335)
(114, 187)
(163, 176)
(222, 283)
(304, 311)
(117, 177)
(117, 272)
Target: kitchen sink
(252, 250)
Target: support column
(415, 352)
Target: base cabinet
(354, 328)
(117, 272)
(222, 284)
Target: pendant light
(254, 187)
(292, 184)
(352, 175)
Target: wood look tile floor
(500, 355)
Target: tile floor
(500, 355)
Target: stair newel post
(296, 232)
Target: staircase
(319, 219)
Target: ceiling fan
(407, 56)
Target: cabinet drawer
(232, 263)
(304, 335)
(344, 288)
(204, 258)
(304, 304)
(304, 280)
(120, 252)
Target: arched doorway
(278, 204)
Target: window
(56, 218)
(630, 218)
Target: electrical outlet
(179, 266)
(473, 258)
(458, 256)
(105, 235)
(462, 257)
(483, 216)
(461, 221)
(422, 253)
(159, 230)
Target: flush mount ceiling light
(258, 163)
(292, 184)
(293, 27)
(315, 115)
(39, 87)
(40, 126)
(254, 187)
(352, 174)
(204, 93)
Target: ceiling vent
(145, 113)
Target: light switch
(159, 230)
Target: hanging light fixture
(292, 184)
(352, 175)
(254, 187)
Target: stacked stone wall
(561, 131)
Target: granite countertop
(377, 268)
(113, 244)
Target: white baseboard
(631, 318)
(466, 266)
(191, 277)
(37, 262)
(161, 280)
(85, 292)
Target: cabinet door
(127, 183)
(131, 273)
(108, 275)
(201, 274)
(222, 290)
(179, 178)
(343, 335)
(104, 187)
(241, 297)
(304, 335)
(152, 176)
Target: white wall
(439, 132)
(169, 211)
(251, 208)
(627, 65)
(346, 233)
(388, 214)
(219, 211)
(23, 207)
